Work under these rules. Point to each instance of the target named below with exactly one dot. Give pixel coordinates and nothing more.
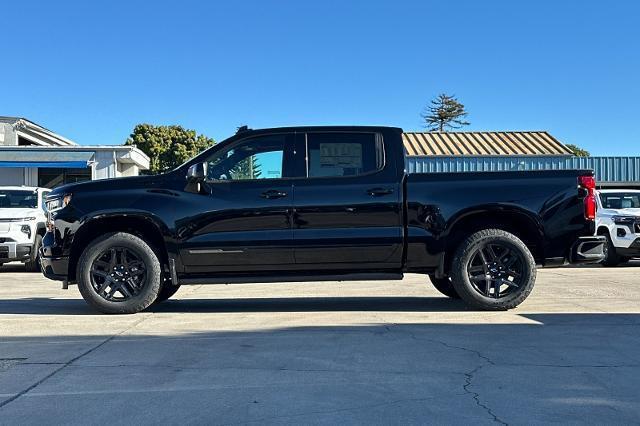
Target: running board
(246, 279)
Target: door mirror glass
(197, 172)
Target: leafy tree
(444, 112)
(248, 168)
(577, 151)
(167, 146)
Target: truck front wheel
(493, 270)
(611, 258)
(119, 273)
(33, 265)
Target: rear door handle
(273, 193)
(377, 192)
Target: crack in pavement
(469, 376)
(71, 361)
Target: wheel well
(603, 230)
(140, 227)
(518, 224)
(41, 230)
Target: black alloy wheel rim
(496, 270)
(118, 274)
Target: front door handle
(377, 192)
(273, 193)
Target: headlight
(625, 220)
(58, 203)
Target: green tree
(577, 151)
(167, 146)
(249, 168)
(443, 113)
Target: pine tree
(444, 112)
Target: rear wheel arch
(141, 226)
(515, 221)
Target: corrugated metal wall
(607, 169)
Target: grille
(637, 227)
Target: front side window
(620, 200)
(256, 158)
(18, 199)
(343, 154)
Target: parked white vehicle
(22, 224)
(618, 218)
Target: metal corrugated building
(607, 169)
(438, 152)
(482, 143)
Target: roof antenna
(242, 129)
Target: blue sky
(91, 71)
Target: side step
(245, 279)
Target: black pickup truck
(316, 203)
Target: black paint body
(381, 222)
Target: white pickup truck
(618, 219)
(22, 224)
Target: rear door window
(335, 154)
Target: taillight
(588, 183)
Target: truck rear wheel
(493, 270)
(444, 286)
(119, 273)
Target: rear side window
(343, 154)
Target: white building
(34, 156)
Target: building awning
(42, 159)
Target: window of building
(343, 154)
(52, 177)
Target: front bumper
(12, 251)
(588, 250)
(54, 268)
(632, 251)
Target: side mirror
(197, 172)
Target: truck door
(244, 220)
(347, 205)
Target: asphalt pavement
(324, 353)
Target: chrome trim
(213, 251)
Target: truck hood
(20, 213)
(109, 184)
(620, 212)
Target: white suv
(22, 224)
(618, 219)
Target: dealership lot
(364, 352)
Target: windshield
(18, 199)
(620, 200)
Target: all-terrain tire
(149, 289)
(444, 286)
(33, 265)
(611, 258)
(464, 255)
